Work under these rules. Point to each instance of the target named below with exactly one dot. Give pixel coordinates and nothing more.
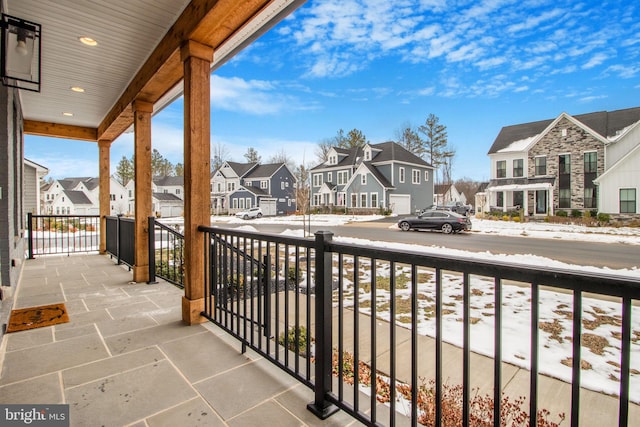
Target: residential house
(169, 185)
(447, 193)
(225, 181)
(555, 164)
(376, 176)
(33, 176)
(61, 197)
(271, 186)
(166, 196)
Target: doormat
(37, 317)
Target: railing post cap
(327, 234)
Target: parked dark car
(448, 222)
(458, 207)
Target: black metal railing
(121, 239)
(166, 253)
(62, 234)
(386, 335)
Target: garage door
(400, 203)
(268, 207)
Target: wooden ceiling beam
(57, 130)
(210, 22)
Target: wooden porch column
(197, 203)
(104, 146)
(142, 165)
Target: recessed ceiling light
(88, 41)
(67, 114)
(77, 89)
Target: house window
(591, 197)
(329, 176)
(130, 193)
(367, 155)
(241, 203)
(231, 186)
(518, 168)
(501, 169)
(564, 164)
(248, 184)
(264, 184)
(234, 204)
(343, 176)
(500, 198)
(333, 160)
(112, 197)
(317, 179)
(628, 200)
(316, 199)
(541, 166)
(248, 203)
(342, 198)
(219, 187)
(518, 198)
(282, 185)
(401, 174)
(591, 162)
(426, 176)
(363, 179)
(415, 176)
(564, 198)
(374, 200)
(177, 191)
(363, 200)
(354, 200)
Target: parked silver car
(250, 213)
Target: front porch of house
(127, 358)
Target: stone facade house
(551, 165)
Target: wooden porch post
(142, 165)
(104, 146)
(197, 202)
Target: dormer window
(367, 155)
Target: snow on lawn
(601, 319)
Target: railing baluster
(625, 362)
(577, 359)
(533, 380)
(392, 343)
(466, 348)
(497, 351)
(373, 340)
(438, 385)
(414, 345)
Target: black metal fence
(62, 234)
(396, 337)
(121, 239)
(166, 253)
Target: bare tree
(220, 155)
(283, 157)
(302, 192)
(322, 150)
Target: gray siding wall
(11, 213)
(283, 195)
(421, 194)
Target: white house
(619, 185)
(33, 174)
(56, 202)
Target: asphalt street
(612, 255)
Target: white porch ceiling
(127, 32)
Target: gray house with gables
(372, 177)
(271, 187)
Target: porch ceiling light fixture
(20, 53)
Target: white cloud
(595, 60)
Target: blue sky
(379, 66)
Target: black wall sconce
(20, 51)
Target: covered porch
(127, 358)
(534, 198)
